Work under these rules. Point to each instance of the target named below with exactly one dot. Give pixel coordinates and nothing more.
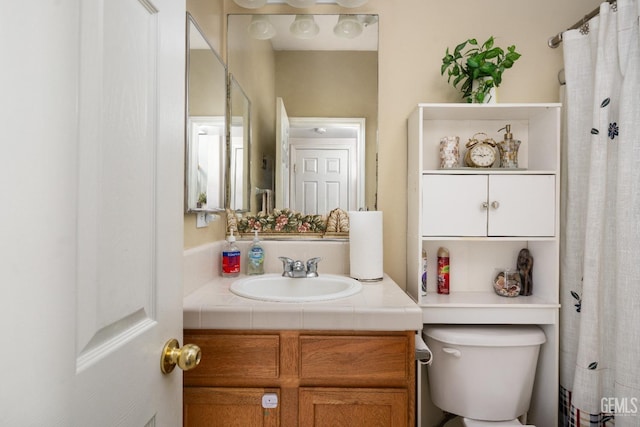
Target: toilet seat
(468, 422)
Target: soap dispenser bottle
(255, 256)
(231, 257)
(508, 149)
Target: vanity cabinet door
(223, 407)
(453, 205)
(353, 407)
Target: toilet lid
(468, 422)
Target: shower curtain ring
(584, 28)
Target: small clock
(480, 154)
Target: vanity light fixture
(351, 3)
(301, 3)
(251, 4)
(348, 27)
(261, 28)
(304, 27)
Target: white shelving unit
(484, 217)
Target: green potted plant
(202, 200)
(482, 64)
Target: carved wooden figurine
(525, 269)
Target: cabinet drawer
(375, 360)
(234, 357)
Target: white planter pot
(491, 98)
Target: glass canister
(449, 152)
(506, 282)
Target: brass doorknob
(186, 357)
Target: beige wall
(207, 86)
(252, 62)
(413, 38)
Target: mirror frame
(188, 167)
(234, 89)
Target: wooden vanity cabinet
(321, 378)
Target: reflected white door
(321, 179)
(282, 155)
(237, 183)
(94, 260)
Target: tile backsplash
(202, 263)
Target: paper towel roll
(365, 245)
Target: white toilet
(483, 373)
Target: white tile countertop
(380, 306)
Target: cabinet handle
(495, 205)
(485, 205)
(452, 351)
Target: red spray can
(443, 271)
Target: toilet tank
(483, 372)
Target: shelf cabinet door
(453, 205)
(488, 205)
(522, 205)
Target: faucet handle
(287, 264)
(312, 264)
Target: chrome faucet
(297, 268)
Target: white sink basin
(275, 287)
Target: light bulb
(261, 28)
(348, 27)
(251, 4)
(304, 27)
(301, 3)
(351, 3)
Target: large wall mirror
(313, 85)
(206, 123)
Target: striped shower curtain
(600, 241)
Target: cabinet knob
(485, 205)
(495, 205)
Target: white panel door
(321, 180)
(128, 296)
(453, 205)
(522, 205)
(237, 185)
(92, 225)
